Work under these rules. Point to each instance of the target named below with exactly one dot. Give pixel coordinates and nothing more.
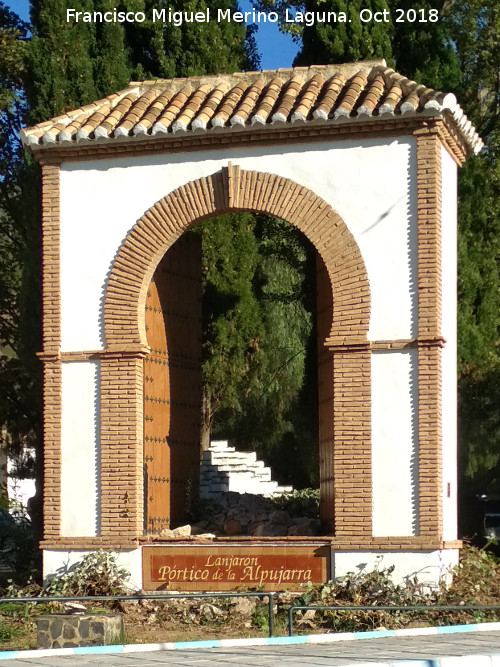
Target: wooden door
(172, 386)
(325, 397)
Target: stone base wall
(71, 630)
(410, 557)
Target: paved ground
(355, 653)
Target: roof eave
(458, 122)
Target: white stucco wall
(367, 183)
(449, 354)
(59, 562)
(79, 449)
(429, 567)
(394, 443)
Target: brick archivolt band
(229, 190)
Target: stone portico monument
(364, 163)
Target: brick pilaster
(51, 338)
(429, 330)
(121, 474)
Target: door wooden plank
(172, 385)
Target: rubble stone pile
(250, 514)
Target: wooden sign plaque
(222, 568)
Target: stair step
(222, 469)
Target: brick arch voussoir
(235, 189)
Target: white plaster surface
(449, 353)
(79, 449)
(367, 183)
(430, 567)
(59, 562)
(394, 443)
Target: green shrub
(303, 502)
(97, 574)
(476, 580)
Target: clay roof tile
(328, 97)
(247, 103)
(350, 92)
(267, 101)
(287, 100)
(229, 104)
(307, 98)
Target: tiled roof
(327, 93)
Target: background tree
(259, 303)
(424, 51)
(335, 41)
(460, 52)
(166, 50)
(70, 64)
(475, 27)
(19, 398)
(62, 66)
(13, 34)
(232, 321)
(345, 42)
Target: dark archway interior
(184, 299)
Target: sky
(277, 50)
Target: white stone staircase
(224, 469)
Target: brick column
(352, 454)
(51, 337)
(429, 330)
(122, 502)
(52, 405)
